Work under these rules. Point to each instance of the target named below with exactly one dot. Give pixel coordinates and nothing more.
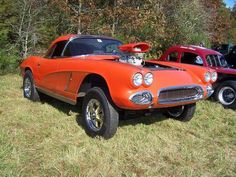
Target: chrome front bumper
(171, 95)
(210, 91)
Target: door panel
(48, 71)
(69, 78)
(48, 67)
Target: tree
(232, 31)
(219, 20)
(8, 16)
(29, 24)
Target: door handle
(38, 65)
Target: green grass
(46, 139)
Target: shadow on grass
(126, 119)
(140, 118)
(61, 106)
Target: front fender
(30, 63)
(118, 77)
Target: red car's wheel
(226, 94)
(29, 89)
(182, 113)
(99, 116)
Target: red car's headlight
(137, 79)
(207, 76)
(148, 79)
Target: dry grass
(46, 139)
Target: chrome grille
(180, 94)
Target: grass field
(46, 139)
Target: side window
(191, 58)
(50, 51)
(198, 61)
(209, 62)
(57, 49)
(173, 56)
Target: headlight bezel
(214, 76)
(137, 76)
(148, 79)
(207, 77)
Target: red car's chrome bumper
(166, 97)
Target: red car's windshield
(85, 46)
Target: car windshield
(216, 61)
(98, 46)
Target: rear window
(216, 61)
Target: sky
(230, 3)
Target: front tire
(226, 94)
(182, 113)
(99, 116)
(29, 90)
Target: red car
(225, 86)
(112, 77)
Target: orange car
(113, 77)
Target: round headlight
(213, 76)
(207, 77)
(148, 78)
(138, 79)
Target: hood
(98, 57)
(225, 70)
(174, 78)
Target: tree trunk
(113, 29)
(79, 17)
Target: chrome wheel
(227, 95)
(27, 87)
(176, 111)
(94, 115)
(99, 116)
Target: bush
(9, 62)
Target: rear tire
(29, 90)
(182, 113)
(226, 94)
(100, 118)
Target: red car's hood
(225, 70)
(99, 57)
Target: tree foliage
(28, 26)
(232, 31)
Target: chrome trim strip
(68, 82)
(63, 51)
(174, 101)
(199, 96)
(57, 96)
